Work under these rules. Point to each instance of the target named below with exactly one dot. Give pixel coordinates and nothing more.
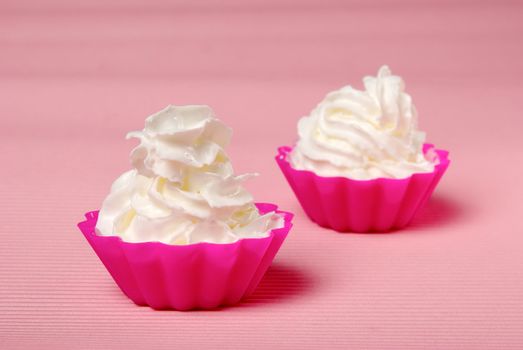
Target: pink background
(75, 76)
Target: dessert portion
(182, 189)
(361, 164)
(363, 134)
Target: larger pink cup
(183, 277)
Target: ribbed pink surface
(451, 280)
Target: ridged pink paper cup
(347, 205)
(184, 277)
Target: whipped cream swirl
(363, 134)
(182, 189)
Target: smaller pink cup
(347, 205)
(183, 277)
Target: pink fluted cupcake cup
(377, 205)
(184, 277)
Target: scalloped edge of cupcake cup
(364, 206)
(184, 277)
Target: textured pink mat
(73, 82)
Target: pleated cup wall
(347, 205)
(184, 277)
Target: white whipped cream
(363, 135)
(182, 189)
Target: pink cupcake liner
(347, 205)
(183, 277)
